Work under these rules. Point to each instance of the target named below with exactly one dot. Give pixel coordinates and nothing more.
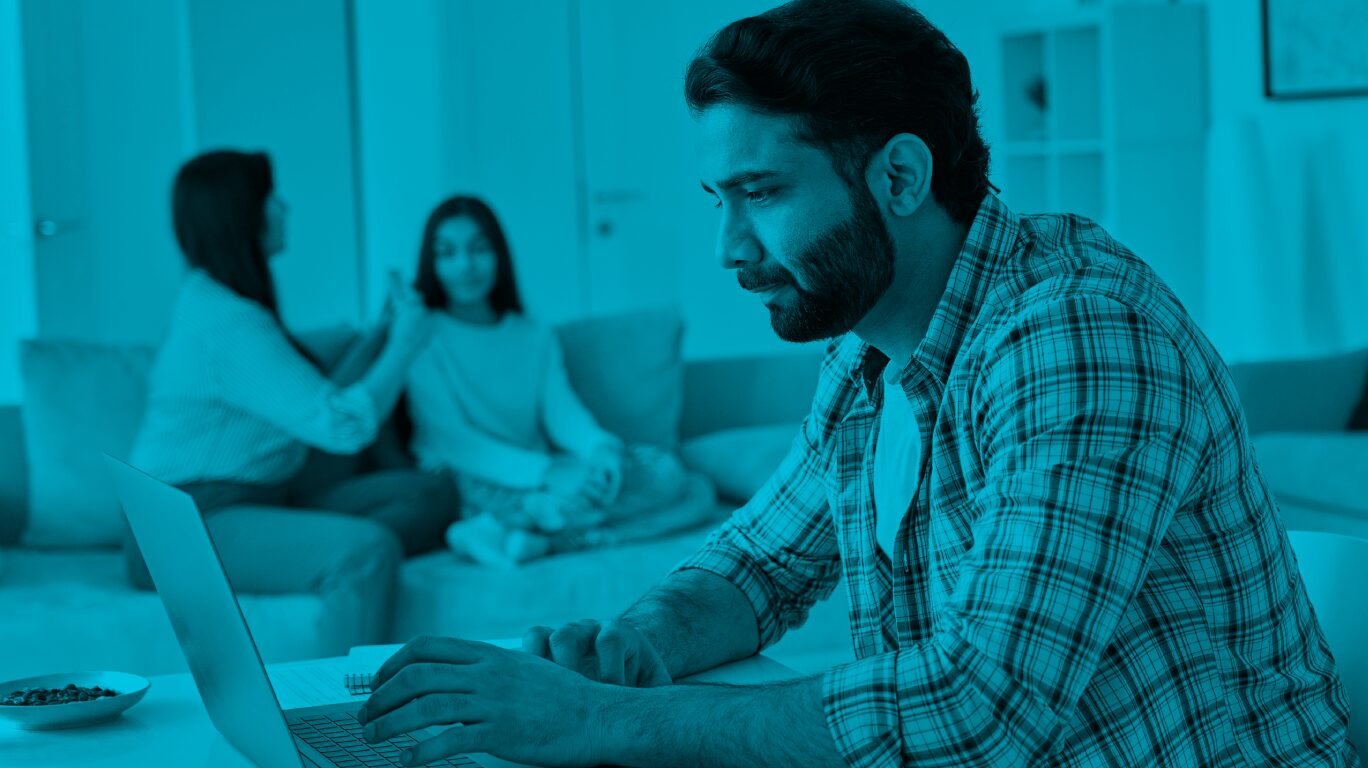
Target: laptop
(221, 654)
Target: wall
(404, 132)
(275, 76)
(135, 134)
(1287, 258)
(1286, 251)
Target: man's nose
(736, 244)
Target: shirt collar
(993, 238)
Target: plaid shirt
(1092, 571)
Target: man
(1029, 465)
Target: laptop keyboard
(337, 736)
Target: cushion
(739, 461)
(1316, 469)
(67, 610)
(628, 372)
(80, 400)
(1273, 392)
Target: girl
(235, 406)
(490, 399)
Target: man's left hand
(506, 703)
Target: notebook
(363, 661)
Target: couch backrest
(1302, 395)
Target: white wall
(17, 314)
(135, 142)
(273, 76)
(403, 133)
(1288, 253)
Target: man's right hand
(614, 652)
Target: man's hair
(855, 73)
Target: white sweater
(493, 401)
(229, 398)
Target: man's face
(815, 249)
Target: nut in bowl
(68, 700)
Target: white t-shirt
(897, 461)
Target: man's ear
(899, 174)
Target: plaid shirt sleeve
(1089, 434)
(780, 549)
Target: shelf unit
(1105, 116)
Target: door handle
(46, 229)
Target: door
(16, 239)
(58, 152)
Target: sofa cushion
(80, 400)
(628, 371)
(739, 461)
(1274, 392)
(69, 610)
(1316, 469)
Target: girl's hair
(218, 206)
(503, 298)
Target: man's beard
(847, 269)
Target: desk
(171, 727)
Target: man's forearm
(779, 724)
(696, 620)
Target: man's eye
(717, 202)
(759, 196)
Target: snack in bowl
(68, 700)
(35, 697)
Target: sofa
(64, 594)
(67, 605)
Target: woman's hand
(506, 703)
(567, 477)
(411, 323)
(605, 469)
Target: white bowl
(73, 714)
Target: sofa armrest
(748, 391)
(13, 476)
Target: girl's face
(464, 260)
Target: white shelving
(1105, 116)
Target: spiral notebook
(366, 660)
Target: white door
(107, 128)
(58, 151)
(16, 240)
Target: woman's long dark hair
(218, 208)
(503, 298)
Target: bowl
(73, 714)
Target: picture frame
(1315, 50)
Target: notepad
(364, 661)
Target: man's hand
(506, 703)
(615, 652)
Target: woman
(237, 409)
(490, 400)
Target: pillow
(739, 461)
(80, 400)
(1316, 469)
(628, 372)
